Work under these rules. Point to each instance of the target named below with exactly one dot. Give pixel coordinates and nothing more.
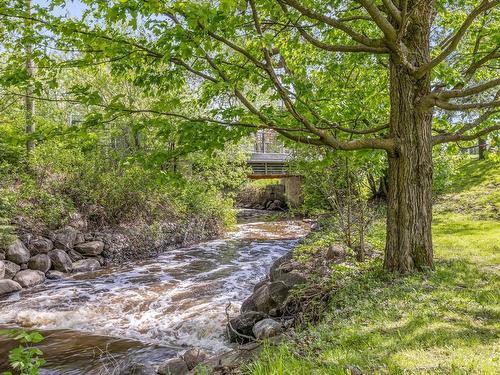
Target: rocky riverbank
(33, 257)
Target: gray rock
(193, 357)
(40, 245)
(56, 275)
(269, 296)
(80, 238)
(2, 269)
(266, 328)
(29, 278)
(9, 286)
(65, 238)
(17, 253)
(243, 324)
(84, 265)
(292, 278)
(101, 260)
(60, 261)
(91, 248)
(74, 255)
(10, 269)
(336, 252)
(24, 266)
(40, 262)
(2, 255)
(174, 366)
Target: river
(148, 310)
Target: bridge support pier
(293, 185)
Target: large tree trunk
(409, 212)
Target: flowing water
(147, 310)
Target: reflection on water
(148, 309)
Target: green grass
(475, 190)
(442, 322)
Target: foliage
(25, 359)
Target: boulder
(40, 262)
(243, 324)
(174, 366)
(80, 238)
(24, 266)
(74, 255)
(2, 269)
(193, 357)
(60, 261)
(65, 238)
(336, 252)
(17, 253)
(55, 275)
(266, 328)
(269, 296)
(9, 286)
(279, 263)
(101, 260)
(29, 278)
(91, 248)
(89, 264)
(10, 269)
(40, 245)
(2, 255)
(291, 278)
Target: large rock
(193, 357)
(91, 248)
(174, 366)
(29, 278)
(74, 255)
(266, 328)
(17, 253)
(2, 269)
(40, 262)
(65, 238)
(40, 245)
(291, 278)
(89, 264)
(2, 255)
(243, 325)
(10, 269)
(268, 297)
(9, 286)
(60, 261)
(336, 252)
(56, 275)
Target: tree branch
(333, 23)
(380, 20)
(482, 7)
(393, 10)
(468, 91)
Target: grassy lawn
(442, 322)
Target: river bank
(155, 308)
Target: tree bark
(481, 145)
(29, 102)
(409, 211)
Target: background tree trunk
(481, 145)
(409, 212)
(29, 102)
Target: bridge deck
(269, 165)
